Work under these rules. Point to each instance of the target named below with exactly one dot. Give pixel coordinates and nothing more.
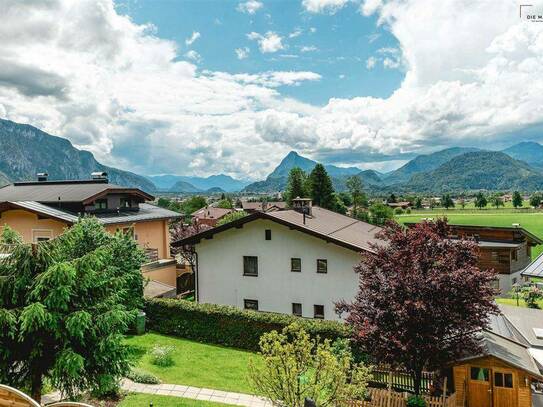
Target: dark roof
(529, 235)
(146, 212)
(64, 191)
(327, 225)
(507, 350)
(211, 213)
(535, 268)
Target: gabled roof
(257, 206)
(146, 212)
(535, 268)
(524, 320)
(83, 191)
(327, 225)
(211, 212)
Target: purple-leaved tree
(421, 299)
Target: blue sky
(208, 87)
(342, 43)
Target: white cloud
(268, 43)
(308, 48)
(370, 62)
(193, 55)
(242, 53)
(272, 79)
(250, 7)
(296, 33)
(313, 30)
(324, 6)
(195, 35)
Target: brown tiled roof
(257, 206)
(211, 213)
(330, 226)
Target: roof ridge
(343, 227)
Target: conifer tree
(321, 189)
(296, 185)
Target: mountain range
(188, 184)
(456, 169)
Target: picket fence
(389, 398)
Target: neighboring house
(507, 250)
(282, 261)
(264, 206)
(507, 371)
(210, 215)
(534, 269)
(41, 210)
(402, 205)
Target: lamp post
(516, 289)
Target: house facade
(282, 261)
(507, 250)
(42, 210)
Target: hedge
(226, 325)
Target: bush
(408, 211)
(141, 376)
(227, 325)
(398, 211)
(416, 401)
(162, 356)
(531, 296)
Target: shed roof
(330, 226)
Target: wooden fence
(389, 398)
(401, 380)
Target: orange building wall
(25, 222)
(153, 234)
(166, 274)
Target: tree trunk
(36, 385)
(417, 379)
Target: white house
(297, 261)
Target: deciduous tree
(480, 200)
(296, 367)
(535, 200)
(447, 202)
(356, 189)
(421, 298)
(496, 200)
(64, 307)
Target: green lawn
(196, 364)
(531, 221)
(145, 400)
(513, 301)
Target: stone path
(188, 392)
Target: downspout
(196, 285)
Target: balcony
(151, 254)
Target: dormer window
(100, 204)
(125, 203)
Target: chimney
(264, 206)
(302, 205)
(99, 175)
(42, 176)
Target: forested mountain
(488, 170)
(26, 150)
(527, 151)
(224, 182)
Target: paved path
(177, 390)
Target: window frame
(480, 368)
(247, 301)
(125, 200)
(267, 234)
(318, 315)
(97, 203)
(245, 266)
(319, 269)
(294, 305)
(292, 269)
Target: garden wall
(227, 325)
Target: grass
(145, 400)
(513, 301)
(196, 364)
(531, 221)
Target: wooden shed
(500, 376)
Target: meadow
(529, 219)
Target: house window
(267, 233)
(41, 235)
(514, 255)
(42, 239)
(250, 304)
(322, 266)
(297, 309)
(250, 266)
(100, 204)
(479, 373)
(318, 311)
(503, 380)
(126, 203)
(296, 265)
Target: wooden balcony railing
(151, 254)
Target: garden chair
(15, 398)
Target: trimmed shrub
(227, 325)
(416, 401)
(141, 376)
(162, 356)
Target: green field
(530, 220)
(145, 400)
(196, 364)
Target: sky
(221, 86)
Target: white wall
(221, 280)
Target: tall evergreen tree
(480, 200)
(64, 307)
(356, 189)
(321, 189)
(296, 185)
(447, 202)
(517, 199)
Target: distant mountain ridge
(528, 151)
(225, 183)
(26, 150)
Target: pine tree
(296, 185)
(447, 202)
(64, 307)
(321, 189)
